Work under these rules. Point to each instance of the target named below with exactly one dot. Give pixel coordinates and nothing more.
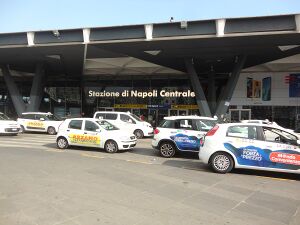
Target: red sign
(285, 158)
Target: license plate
(14, 129)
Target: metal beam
(36, 93)
(13, 91)
(199, 93)
(211, 97)
(226, 95)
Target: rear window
(111, 116)
(242, 132)
(75, 124)
(205, 125)
(167, 124)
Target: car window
(277, 135)
(90, 126)
(75, 124)
(106, 125)
(185, 124)
(100, 116)
(242, 132)
(205, 125)
(28, 116)
(111, 116)
(38, 117)
(167, 124)
(126, 118)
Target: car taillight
(156, 131)
(212, 131)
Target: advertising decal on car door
(185, 142)
(255, 156)
(84, 139)
(35, 125)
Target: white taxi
(181, 133)
(8, 126)
(39, 122)
(89, 132)
(250, 146)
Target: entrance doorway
(177, 112)
(236, 115)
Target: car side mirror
(98, 130)
(42, 119)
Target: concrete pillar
(15, 95)
(197, 88)
(211, 97)
(37, 89)
(226, 95)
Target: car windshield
(135, 117)
(4, 117)
(53, 117)
(106, 125)
(205, 125)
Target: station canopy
(270, 43)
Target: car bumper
(124, 145)
(10, 130)
(148, 132)
(154, 143)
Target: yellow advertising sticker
(35, 124)
(84, 139)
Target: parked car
(39, 122)
(126, 120)
(181, 133)
(267, 122)
(8, 126)
(250, 146)
(89, 132)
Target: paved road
(40, 184)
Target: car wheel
(22, 129)
(111, 146)
(139, 134)
(51, 130)
(221, 162)
(62, 143)
(167, 149)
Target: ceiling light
(287, 47)
(153, 52)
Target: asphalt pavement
(41, 185)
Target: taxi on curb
(8, 126)
(250, 146)
(89, 132)
(39, 122)
(181, 133)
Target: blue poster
(294, 85)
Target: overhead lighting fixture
(287, 47)
(56, 33)
(183, 24)
(153, 52)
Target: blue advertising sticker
(185, 142)
(254, 156)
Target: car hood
(8, 122)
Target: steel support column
(199, 93)
(13, 91)
(226, 95)
(36, 93)
(211, 97)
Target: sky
(35, 15)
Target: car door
(74, 132)
(92, 134)
(33, 123)
(185, 135)
(282, 151)
(245, 143)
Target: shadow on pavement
(269, 174)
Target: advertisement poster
(294, 85)
(266, 89)
(249, 87)
(256, 89)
